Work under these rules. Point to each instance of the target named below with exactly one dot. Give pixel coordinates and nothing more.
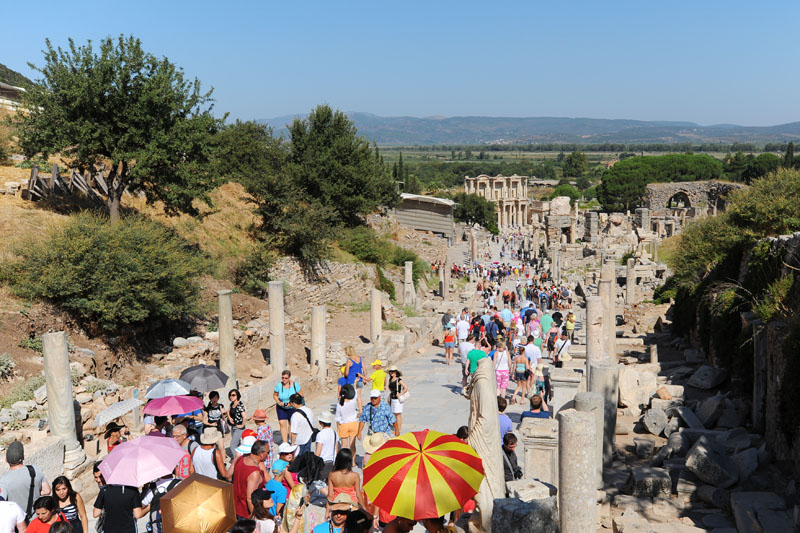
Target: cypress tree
(788, 159)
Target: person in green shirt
(547, 322)
(473, 356)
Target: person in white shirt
(562, 348)
(301, 424)
(532, 352)
(463, 349)
(12, 517)
(462, 329)
(347, 417)
(327, 445)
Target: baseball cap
(246, 445)
(375, 393)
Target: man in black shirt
(511, 469)
(123, 506)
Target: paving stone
(707, 377)
(711, 465)
(647, 481)
(748, 507)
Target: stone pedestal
(446, 281)
(540, 438)
(595, 349)
(604, 379)
(630, 282)
(577, 493)
(277, 335)
(60, 407)
(474, 247)
(593, 402)
(375, 319)
(227, 355)
(565, 382)
(318, 343)
(409, 295)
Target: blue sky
(703, 61)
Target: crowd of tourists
(524, 319)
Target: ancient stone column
(577, 473)
(608, 273)
(318, 343)
(535, 245)
(277, 335)
(593, 402)
(375, 322)
(227, 355)
(409, 296)
(655, 251)
(653, 350)
(604, 378)
(446, 280)
(474, 247)
(609, 344)
(595, 348)
(60, 406)
(630, 281)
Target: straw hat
(210, 436)
(343, 502)
(393, 368)
(539, 372)
(260, 414)
(326, 418)
(375, 441)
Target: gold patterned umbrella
(198, 504)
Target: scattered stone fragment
(647, 481)
(749, 508)
(707, 377)
(515, 516)
(180, 342)
(709, 411)
(710, 464)
(687, 483)
(693, 356)
(717, 520)
(40, 395)
(529, 489)
(714, 496)
(689, 417)
(655, 420)
(672, 426)
(644, 447)
(663, 393)
(747, 462)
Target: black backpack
(154, 522)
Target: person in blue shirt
(339, 509)
(277, 489)
(538, 409)
(377, 414)
(506, 424)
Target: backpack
(154, 522)
(551, 340)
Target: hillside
(12, 77)
(514, 130)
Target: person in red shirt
(247, 477)
(113, 435)
(47, 514)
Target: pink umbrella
(141, 460)
(173, 405)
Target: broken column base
(511, 515)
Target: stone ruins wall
(702, 195)
(338, 282)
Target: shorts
(284, 413)
(397, 407)
(502, 379)
(348, 429)
(520, 376)
(449, 345)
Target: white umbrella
(115, 411)
(167, 387)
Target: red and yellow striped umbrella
(423, 474)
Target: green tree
(474, 209)
(788, 159)
(244, 150)
(575, 164)
(401, 171)
(566, 190)
(125, 109)
(624, 184)
(583, 183)
(331, 164)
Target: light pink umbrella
(141, 460)
(173, 405)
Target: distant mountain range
(541, 130)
